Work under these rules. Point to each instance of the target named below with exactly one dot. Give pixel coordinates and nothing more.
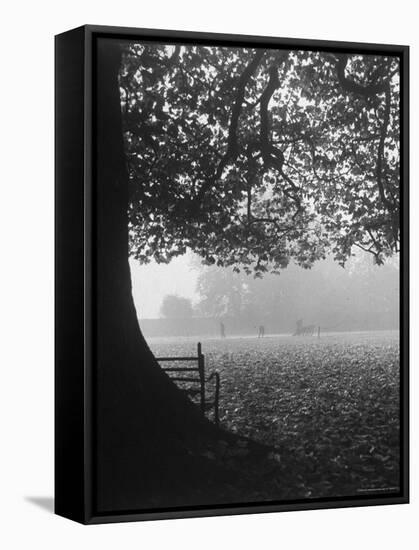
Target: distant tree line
(325, 294)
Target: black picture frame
(75, 307)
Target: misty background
(187, 298)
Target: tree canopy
(253, 158)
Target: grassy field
(329, 406)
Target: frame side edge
(404, 278)
(69, 275)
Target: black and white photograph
(208, 275)
(247, 274)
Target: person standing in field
(222, 330)
(261, 331)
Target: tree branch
(273, 157)
(369, 91)
(232, 147)
(350, 86)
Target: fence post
(201, 367)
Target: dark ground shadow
(46, 503)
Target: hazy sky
(151, 282)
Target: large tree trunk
(144, 423)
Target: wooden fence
(192, 380)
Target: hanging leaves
(242, 155)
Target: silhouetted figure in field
(261, 331)
(222, 330)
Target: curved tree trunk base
(205, 469)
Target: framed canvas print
(231, 274)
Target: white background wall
(26, 301)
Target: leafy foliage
(252, 158)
